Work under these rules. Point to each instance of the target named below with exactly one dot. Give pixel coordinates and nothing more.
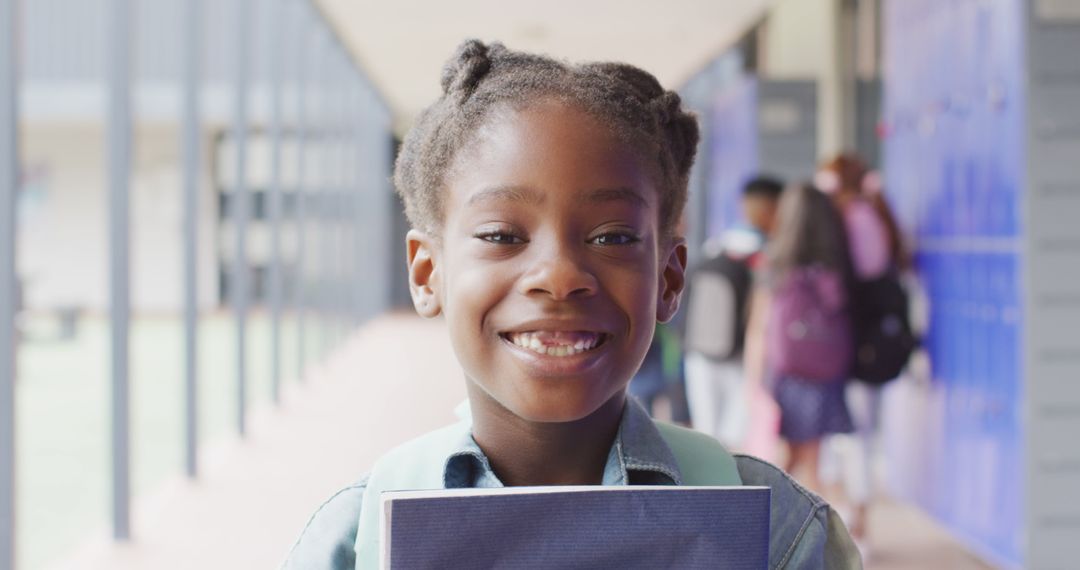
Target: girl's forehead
(545, 120)
(550, 140)
(532, 196)
(540, 168)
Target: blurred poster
(1058, 10)
(33, 193)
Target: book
(625, 527)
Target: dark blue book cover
(577, 528)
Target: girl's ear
(424, 276)
(672, 280)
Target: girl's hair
(855, 180)
(809, 231)
(480, 78)
(849, 170)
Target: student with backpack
(884, 339)
(799, 341)
(718, 294)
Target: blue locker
(954, 159)
(732, 150)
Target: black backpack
(717, 295)
(884, 340)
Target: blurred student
(799, 341)
(883, 333)
(661, 374)
(718, 295)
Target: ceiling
(403, 44)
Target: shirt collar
(638, 455)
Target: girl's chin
(560, 409)
(543, 401)
(551, 417)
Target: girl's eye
(500, 238)
(615, 238)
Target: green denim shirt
(805, 532)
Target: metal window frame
(277, 9)
(300, 272)
(119, 127)
(239, 289)
(333, 101)
(9, 184)
(191, 143)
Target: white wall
(796, 38)
(800, 42)
(63, 233)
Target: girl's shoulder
(329, 535)
(805, 531)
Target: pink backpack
(809, 330)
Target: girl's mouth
(557, 343)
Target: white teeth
(531, 341)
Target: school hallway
(206, 319)
(393, 379)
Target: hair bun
(469, 64)
(681, 127)
(667, 107)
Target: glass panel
(62, 388)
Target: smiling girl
(543, 198)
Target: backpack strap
(702, 460)
(407, 467)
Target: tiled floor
(906, 539)
(396, 378)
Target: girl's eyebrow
(506, 194)
(534, 197)
(616, 194)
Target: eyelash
(507, 238)
(627, 237)
(500, 238)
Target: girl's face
(550, 269)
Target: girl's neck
(524, 453)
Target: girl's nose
(559, 274)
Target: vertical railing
(323, 184)
(318, 96)
(9, 188)
(192, 149)
(119, 181)
(352, 199)
(340, 188)
(277, 69)
(303, 157)
(359, 162)
(240, 207)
